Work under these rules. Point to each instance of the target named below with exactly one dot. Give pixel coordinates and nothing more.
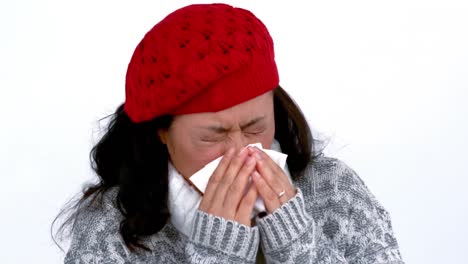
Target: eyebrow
(221, 129)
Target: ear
(162, 134)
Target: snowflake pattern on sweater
(333, 218)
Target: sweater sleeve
(217, 240)
(288, 234)
(333, 218)
(96, 239)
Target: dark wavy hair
(132, 157)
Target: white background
(385, 81)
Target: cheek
(207, 155)
(267, 138)
(188, 158)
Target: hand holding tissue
(200, 178)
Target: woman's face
(193, 140)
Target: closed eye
(254, 133)
(212, 139)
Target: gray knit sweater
(334, 218)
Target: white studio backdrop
(385, 81)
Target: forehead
(260, 106)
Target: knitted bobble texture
(200, 58)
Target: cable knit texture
(200, 58)
(333, 218)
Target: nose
(238, 142)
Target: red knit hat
(200, 58)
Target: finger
(285, 197)
(270, 198)
(246, 206)
(215, 179)
(267, 160)
(272, 173)
(238, 187)
(225, 181)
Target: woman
(203, 83)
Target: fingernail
(242, 151)
(255, 176)
(250, 161)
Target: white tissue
(200, 178)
